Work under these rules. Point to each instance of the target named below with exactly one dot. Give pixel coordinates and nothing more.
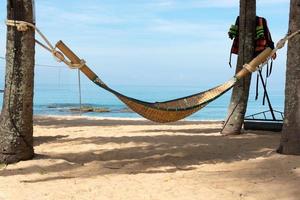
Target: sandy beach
(92, 158)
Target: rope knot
(281, 43)
(58, 55)
(249, 68)
(78, 65)
(21, 25)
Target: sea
(63, 99)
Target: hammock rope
(162, 112)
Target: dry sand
(90, 158)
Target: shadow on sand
(83, 121)
(163, 153)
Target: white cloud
(72, 17)
(272, 1)
(89, 18)
(185, 28)
(179, 4)
(165, 3)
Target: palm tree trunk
(290, 138)
(239, 98)
(16, 129)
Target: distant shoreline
(137, 119)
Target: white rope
(79, 93)
(249, 68)
(280, 44)
(24, 26)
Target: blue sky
(148, 42)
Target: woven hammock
(173, 110)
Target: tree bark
(239, 98)
(290, 138)
(16, 129)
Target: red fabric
(260, 44)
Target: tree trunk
(16, 129)
(290, 138)
(239, 98)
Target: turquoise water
(57, 99)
